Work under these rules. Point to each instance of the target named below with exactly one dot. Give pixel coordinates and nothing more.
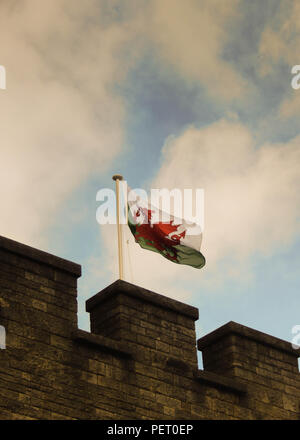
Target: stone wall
(139, 361)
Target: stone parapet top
(220, 381)
(142, 294)
(248, 333)
(102, 342)
(40, 256)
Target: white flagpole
(117, 178)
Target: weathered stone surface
(139, 362)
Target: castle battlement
(140, 359)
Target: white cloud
(290, 106)
(60, 119)
(280, 42)
(252, 194)
(191, 35)
(252, 206)
(281, 38)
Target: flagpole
(117, 178)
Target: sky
(193, 94)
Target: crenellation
(140, 359)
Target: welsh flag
(176, 240)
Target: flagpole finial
(117, 177)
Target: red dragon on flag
(169, 239)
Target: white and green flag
(177, 240)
